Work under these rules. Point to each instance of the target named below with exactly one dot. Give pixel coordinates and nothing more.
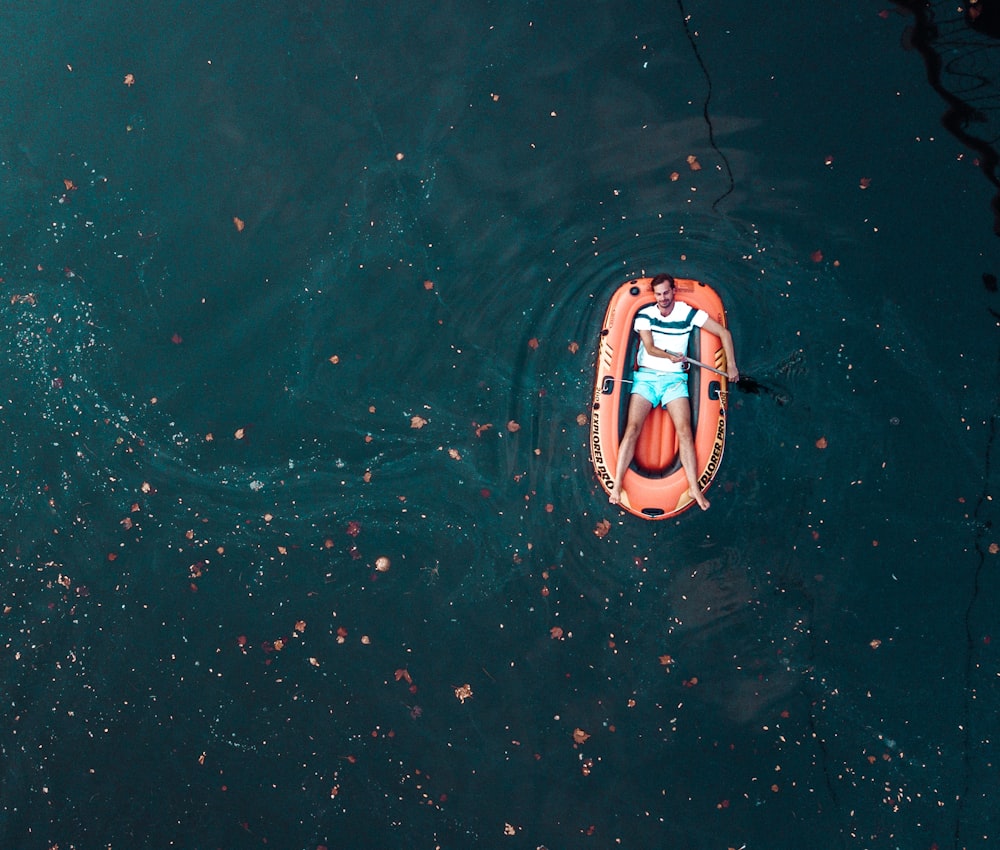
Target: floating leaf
(602, 528)
(353, 528)
(556, 633)
(463, 692)
(582, 419)
(240, 224)
(674, 176)
(382, 564)
(403, 675)
(693, 163)
(821, 443)
(533, 343)
(129, 80)
(480, 429)
(240, 433)
(513, 426)
(454, 454)
(865, 182)
(417, 421)
(579, 736)
(428, 285)
(816, 256)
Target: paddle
(745, 384)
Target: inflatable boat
(655, 486)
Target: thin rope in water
(686, 19)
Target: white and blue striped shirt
(670, 332)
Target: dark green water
(197, 649)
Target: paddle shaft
(705, 366)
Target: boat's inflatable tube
(655, 486)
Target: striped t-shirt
(670, 333)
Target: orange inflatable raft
(655, 486)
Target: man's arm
(713, 327)
(647, 342)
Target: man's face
(664, 294)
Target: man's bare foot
(615, 496)
(699, 497)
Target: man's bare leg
(680, 412)
(638, 410)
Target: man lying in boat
(664, 329)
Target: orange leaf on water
(602, 528)
(513, 426)
(417, 421)
(579, 736)
(533, 343)
(556, 633)
(402, 674)
(454, 454)
(864, 182)
(463, 692)
(821, 443)
(428, 285)
(574, 347)
(129, 80)
(240, 224)
(693, 163)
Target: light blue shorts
(660, 388)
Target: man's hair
(663, 278)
